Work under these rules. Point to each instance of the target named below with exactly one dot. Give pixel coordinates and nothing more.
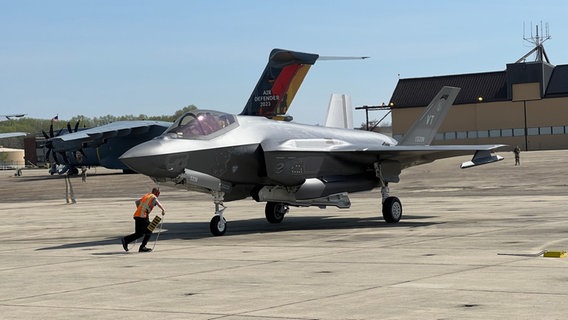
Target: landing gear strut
(392, 208)
(218, 224)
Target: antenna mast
(537, 41)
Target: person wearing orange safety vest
(141, 218)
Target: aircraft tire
(275, 211)
(218, 227)
(392, 210)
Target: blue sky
(94, 58)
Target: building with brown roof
(525, 105)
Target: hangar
(525, 105)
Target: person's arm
(160, 206)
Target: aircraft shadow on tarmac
(200, 230)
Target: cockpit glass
(201, 123)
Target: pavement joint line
(121, 309)
(47, 294)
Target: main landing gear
(275, 211)
(388, 171)
(392, 208)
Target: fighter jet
(287, 164)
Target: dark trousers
(140, 229)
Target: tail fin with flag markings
(279, 83)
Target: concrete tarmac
(468, 247)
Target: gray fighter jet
(287, 164)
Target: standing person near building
(517, 152)
(141, 218)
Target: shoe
(144, 249)
(124, 244)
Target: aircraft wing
(414, 155)
(313, 155)
(12, 134)
(409, 156)
(406, 155)
(94, 137)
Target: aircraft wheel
(392, 210)
(275, 211)
(218, 226)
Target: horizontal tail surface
(482, 157)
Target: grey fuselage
(253, 151)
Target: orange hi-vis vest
(146, 205)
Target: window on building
(450, 135)
(495, 133)
(545, 130)
(558, 130)
(517, 132)
(532, 131)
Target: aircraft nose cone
(150, 159)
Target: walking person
(142, 220)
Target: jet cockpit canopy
(201, 124)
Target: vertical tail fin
(279, 83)
(339, 112)
(423, 131)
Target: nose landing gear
(218, 224)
